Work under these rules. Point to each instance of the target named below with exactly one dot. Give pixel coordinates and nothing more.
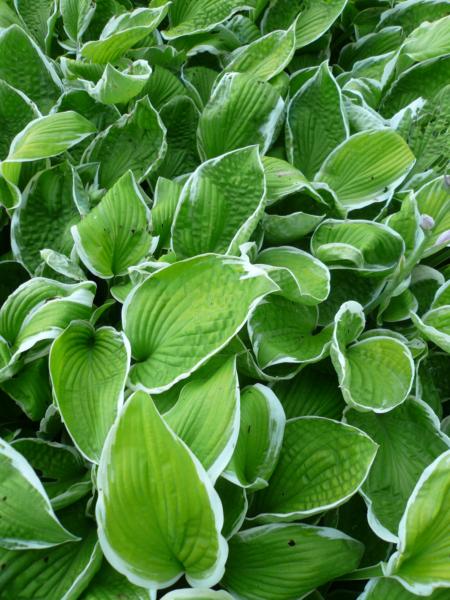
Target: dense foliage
(225, 299)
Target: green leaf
(301, 277)
(135, 141)
(30, 388)
(315, 18)
(206, 416)
(260, 438)
(367, 247)
(200, 15)
(16, 111)
(122, 32)
(434, 326)
(433, 200)
(421, 561)
(385, 587)
(282, 179)
(108, 584)
(116, 86)
(31, 71)
(375, 373)
(322, 464)
(234, 503)
(88, 369)
(220, 204)
(367, 167)
(429, 40)
(279, 562)
(49, 136)
(315, 122)
(154, 543)
(189, 300)
(76, 15)
(409, 439)
(114, 235)
(167, 194)
(39, 16)
(28, 520)
(241, 111)
(197, 594)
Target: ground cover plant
(224, 299)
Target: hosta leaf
(428, 40)
(197, 594)
(330, 461)
(48, 136)
(234, 503)
(301, 277)
(315, 17)
(76, 15)
(88, 370)
(316, 122)
(24, 66)
(153, 544)
(30, 388)
(409, 440)
(241, 111)
(28, 520)
(434, 325)
(386, 587)
(122, 32)
(433, 200)
(372, 44)
(114, 235)
(265, 57)
(206, 416)
(367, 167)
(364, 246)
(282, 179)
(279, 562)
(167, 194)
(220, 204)
(16, 111)
(108, 584)
(284, 229)
(260, 438)
(39, 17)
(136, 141)
(115, 86)
(375, 373)
(44, 216)
(413, 13)
(200, 15)
(189, 300)
(421, 561)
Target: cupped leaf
(28, 520)
(154, 543)
(135, 141)
(282, 179)
(421, 561)
(409, 439)
(122, 32)
(365, 246)
(88, 369)
(280, 561)
(114, 235)
(260, 438)
(206, 416)
(241, 111)
(301, 277)
(321, 465)
(180, 316)
(434, 326)
(116, 86)
(220, 204)
(316, 122)
(367, 167)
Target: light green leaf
(197, 594)
(76, 15)
(322, 464)
(421, 561)
(367, 167)
(265, 57)
(108, 584)
(409, 439)
(365, 246)
(88, 369)
(434, 326)
(241, 111)
(30, 72)
(49, 136)
(280, 562)
(413, 13)
(136, 141)
(28, 520)
(282, 179)
(196, 16)
(220, 204)
(206, 416)
(386, 587)
(180, 316)
(433, 200)
(59, 263)
(429, 40)
(154, 543)
(260, 438)
(122, 32)
(301, 277)
(316, 122)
(167, 194)
(114, 235)
(120, 86)
(315, 18)
(285, 229)
(234, 503)
(375, 373)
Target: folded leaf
(154, 543)
(116, 87)
(180, 316)
(76, 15)
(282, 179)
(220, 204)
(280, 562)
